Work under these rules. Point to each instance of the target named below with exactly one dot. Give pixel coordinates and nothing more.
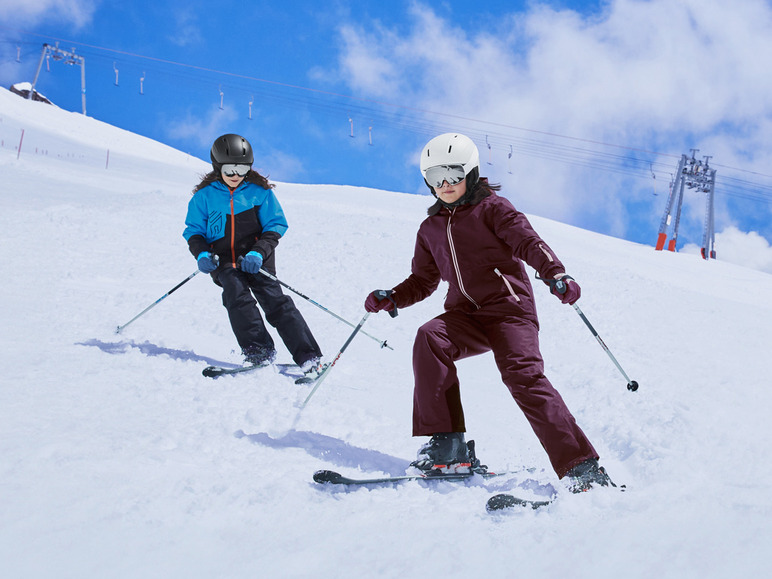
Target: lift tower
(691, 174)
(68, 58)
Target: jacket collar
(481, 191)
(221, 186)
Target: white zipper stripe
(509, 285)
(455, 263)
(547, 253)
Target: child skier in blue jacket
(233, 225)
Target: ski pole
(328, 369)
(119, 329)
(560, 285)
(321, 307)
(632, 385)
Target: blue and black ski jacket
(232, 223)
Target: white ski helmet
(452, 149)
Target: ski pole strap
(559, 285)
(386, 295)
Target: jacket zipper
(233, 233)
(547, 253)
(455, 263)
(506, 282)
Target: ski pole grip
(561, 286)
(386, 295)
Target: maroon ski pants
(515, 345)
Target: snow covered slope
(118, 459)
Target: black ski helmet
(231, 148)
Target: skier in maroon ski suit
(477, 242)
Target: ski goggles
(231, 170)
(437, 175)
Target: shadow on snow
(536, 484)
(332, 450)
(149, 349)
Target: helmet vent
(450, 149)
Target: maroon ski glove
(566, 289)
(379, 300)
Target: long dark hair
(482, 188)
(251, 177)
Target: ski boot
(587, 474)
(447, 453)
(258, 356)
(312, 369)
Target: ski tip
(326, 476)
(210, 372)
(505, 501)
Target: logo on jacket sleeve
(215, 225)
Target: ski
(504, 501)
(293, 371)
(217, 371)
(332, 477)
(289, 370)
(310, 378)
(496, 503)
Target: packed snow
(119, 459)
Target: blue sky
(581, 110)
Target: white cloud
(31, 12)
(661, 75)
(687, 63)
(278, 165)
(272, 163)
(202, 130)
(367, 70)
(746, 249)
(186, 30)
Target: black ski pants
(242, 292)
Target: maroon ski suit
(479, 248)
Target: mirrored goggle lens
(230, 170)
(453, 174)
